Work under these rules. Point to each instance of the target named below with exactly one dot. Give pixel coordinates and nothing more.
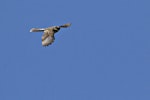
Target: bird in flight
(48, 35)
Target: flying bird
(48, 35)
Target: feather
(37, 29)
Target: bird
(49, 32)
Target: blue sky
(104, 55)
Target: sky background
(104, 55)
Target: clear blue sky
(104, 55)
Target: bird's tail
(37, 30)
(65, 25)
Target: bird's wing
(37, 29)
(65, 25)
(47, 38)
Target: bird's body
(48, 35)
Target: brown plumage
(48, 35)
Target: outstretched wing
(65, 25)
(37, 29)
(47, 38)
